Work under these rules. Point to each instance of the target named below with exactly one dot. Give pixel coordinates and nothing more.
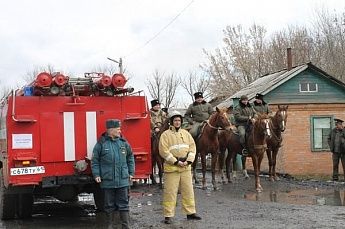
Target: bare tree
(30, 76)
(249, 54)
(163, 87)
(194, 83)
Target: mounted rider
(158, 116)
(244, 115)
(198, 112)
(260, 106)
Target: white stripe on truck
(69, 136)
(91, 132)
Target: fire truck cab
(48, 131)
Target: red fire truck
(48, 131)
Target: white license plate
(27, 170)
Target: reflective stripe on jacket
(176, 144)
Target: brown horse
(155, 157)
(277, 126)
(208, 143)
(257, 145)
(228, 140)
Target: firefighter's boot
(124, 217)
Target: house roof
(269, 82)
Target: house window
(308, 87)
(321, 127)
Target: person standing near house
(158, 116)
(260, 106)
(244, 115)
(336, 141)
(177, 147)
(112, 166)
(198, 112)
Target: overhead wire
(161, 30)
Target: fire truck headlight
(80, 166)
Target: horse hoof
(230, 182)
(246, 177)
(258, 190)
(203, 188)
(215, 188)
(224, 182)
(271, 179)
(277, 178)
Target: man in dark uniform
(198, 112)
(260, 106)
(113, 167)
(244, 114)
(336, 144)
(157, 115)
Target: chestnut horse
(208, 143)
(228, 140)
(257, 144)
(277, 126)
(155, 157)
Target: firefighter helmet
(174, 114)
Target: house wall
(328, 91)
(295, 156)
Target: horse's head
(261, 124)
(281, 117)
(219, 119)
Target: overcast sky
(75, 36)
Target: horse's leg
(160, 171)
(270, 164)
(245, 174)
(229, 165)
(256, 171)
(214, 158)
(234, 166)
(260, 157)
(195, 162)
(153, 162)
(221, 164)
(274, 161)
(203, 168)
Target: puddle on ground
(303, 197)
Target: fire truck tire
(7, 202)
(24, 205)
(98, 197)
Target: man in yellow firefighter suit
(177, 147)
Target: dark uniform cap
(154, 102)
(198, 95)
(244, 97)
(165, 109)
(259, 96)
(337, 120)
(112, 123)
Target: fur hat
(337, 120)
(198, 95)
(154, 102)
(259, 96)
(112, 123)
(244, 97)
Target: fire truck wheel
(7, 202)
(24, 205)
(98, 197)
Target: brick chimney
(289, 59)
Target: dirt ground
(287, 203)
(284, 204)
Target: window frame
(308, 86)
(312, 118)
